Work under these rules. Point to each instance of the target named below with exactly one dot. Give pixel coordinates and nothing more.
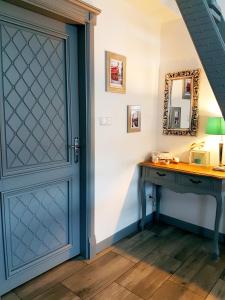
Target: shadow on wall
(126, 219)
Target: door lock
(76, 148)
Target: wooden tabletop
(186, 168)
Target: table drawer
(162, 175)
(195, 181)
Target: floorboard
(172, 291)
(48, 280)
(148, 275)
(218, 292)
(98, 275)
(161, 263)
(58, 292)
(116, 292)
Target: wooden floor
(163, 263)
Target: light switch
(109, 121)
(105, 121)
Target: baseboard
(207, 233)
(121, 234)
(199, 230)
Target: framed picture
(199, 157)
(187, 88)
(115, 73)
(133, 118)
(175, 117)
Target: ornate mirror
(180, 116)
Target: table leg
(157, 202)
(143, 203)
(219, 204)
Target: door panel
(39, 182)
(35, 224)
(34, 99)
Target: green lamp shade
(216, 126)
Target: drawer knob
(195, 181)
(160, 174)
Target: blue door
(39, 183)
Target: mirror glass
(180, 115)
(180, 98)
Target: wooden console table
(184, 178)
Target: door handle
(195, 181)
(160, 174)
(76, 148)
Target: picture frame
(199, 157)
(115, 72)
(192, 130)
(175, 117)
(133, 118)
(187, 88)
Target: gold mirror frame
(195, 76)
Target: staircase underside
(206, 26)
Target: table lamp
(216, 126)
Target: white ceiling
(162, 10)
(171, 4)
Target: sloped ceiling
(156, 9)
(172, 5)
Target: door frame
(84, 15)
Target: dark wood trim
(68, 11)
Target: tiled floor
(163, 263)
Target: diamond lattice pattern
(34, 97)
(38, 223)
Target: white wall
(127, 28)
(177, 54)
(123, 29)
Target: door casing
(84, 15)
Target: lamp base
(219, 168)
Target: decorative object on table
(133, 118)
(115, 73)
(197, 146)
(163, 157)
(180, 116)
(176, 160)
(216, 126)
(154, 157)
(199, 157)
